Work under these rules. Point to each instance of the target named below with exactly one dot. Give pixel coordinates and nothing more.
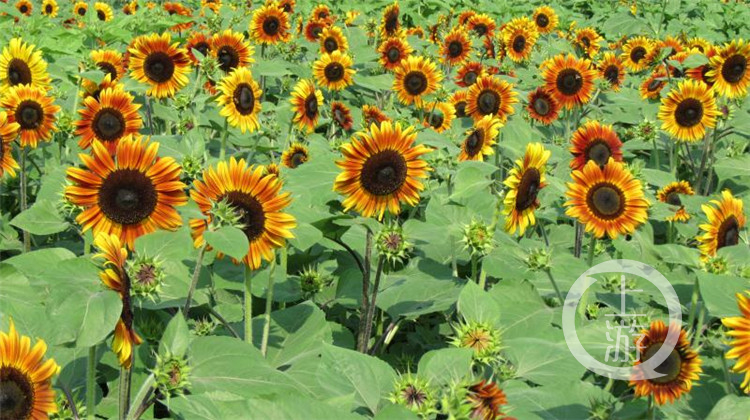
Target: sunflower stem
(454, 263)
(704, 158)
(709, 174)
(727, 377)
(248, 307)
(699, 326)
(148, 115)
(693, 303)
(554, 285)
(90, 384)
(224, 135)
(656, 153)
(650, 413)
(474, 266)
(125, 380)
(670, 232)
(541, 228)
(194, 281)
(578, 244)
(361, 343)
(371, 307)
(592, 249)
(482, 277)
(24, 196)
(269, 303)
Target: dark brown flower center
(330, 44)
(606, 201)
(81, 11)
(202, 48)
(48, 9)
(598, 151)
(393, 54)
(734, 68)
(519, 43)
(470, 78)
(689, 112)
(271, 25)
(298, 158)
(480, 29)
(29, 115)
(637, 54)
(146, 275)
(108, 124)
(383, 173)
(250, 211)
(455, 48)
(316, 31)
(228, 58)
(729, 233)
(101, 15)
(673, 199)
(569, 82)
(655, 85)
(612, 74)
(158, 67)
(334, 72)
(244, 99)
(460, 109)
(415, 82)
(16, 394)
(670, 367)
(340, 116)
(436, 119)
(488, 102)
(109, 69)
(311, 106)
(528, 188)
(474, 142)
(23, 9)
(19, 72)
(127, 196)
(585, 41)
(541, 106)
(413, 396)
(542, 20)
(391, 22)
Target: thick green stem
(224, 134)
(578, 242)
(361, 343)
(248, 307)
(727, 376)
(656, 152)
(269, 306)
(693, 304)
(651, 411)
(24, 197)
(474, 268)
(554, 285)
(141, 400)
(371, 307)
(592, 249)
(125, 378)
(91, 384)
(194, 281)
(482, 277)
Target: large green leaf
(42, 218)
(445, 366)
(228, 240)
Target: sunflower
(287, 5)
(652, 86)
(321, 11)
(606, 199)
(480, 138)
(542, 106)
(21, 65)
(314, 28)
(458, 100)
(334, 71)
(8, 133)
(670, 194)
(257, 199)
(156, 61)
(519, 38)
(392, 51)
(91, 89)
(34, 112)
(50, 8)
(103, 11)
(332, 39)
(730, 69)
(688, 111)
(306, 103)
(569, 80)
(456, 47)
(341, 114)
(524, 183)
(468, 74)
(231, 50)
(371, 114)
(739, 330)
(491, 95)
(700, 44)
(381, 169)
(594, 141)
(240, 99)
(129, 194)
(635, 53)
(200, 42)
(25, 7)
(439, 115)
(213, 5)
(485, 401)
(671, 43)
(415, 78)
(725, 221)
(589, 41)
(270, 25)
(80, 8)
(177, 8)
(295, 155)
(25, 377)
(390, 25)
(700, 73)
(110, 62)
(482, 25)
(611, 70)
(108, 119)
(545, 19)
(679, 370)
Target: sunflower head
(726, 219)
(392, 51)
(456, 47)
(371, 114)
(486, 400)
(8, 133)
(333, 39)
(50, 8)
(493, 96)
(306, 103)
(688, 110)
(469, 73)
(334, 70)
(103, 11)
(415, 78)
(589, 41)
(635, 53)
(482, 25)
(161, 64)
(295, 155)
(569, 79)
(270, 25)
(545, 19)
(458, 99)
(652, 86)
(231, 50)
(341, 114)
(21, 64)
(390, 24)
(198, 41)
(729, 69)
(542, 106)
(596, 142)
(480, 139)
(739, 331)
(670, 194)
(33, 110)
(482, 337)
(519, 37)
(524, 183)
(611, 70)
(439, 115)
(416, 394)
(108, 119)
(240, 99)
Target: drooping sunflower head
(20, 64)
(681, 367)
(108, 119)
(726, 219)
(569, 80)
(306, 103)
(589, 41)
(256, 199)
(110, 62)
(739, 330)
(103, 11)
(8, 133)
(456, 47)
(161, 64)
(390, 25)
(129, 194)
(542, 106)
(479, 140)
(545, 19)
(240, 99)
(596, 142)
(491, 95)
(415, 78)
(486, 400)
(231, 50)
(50, 8)
(295, 155)
(635, 53)
(80, 9)
(25, 377)
(469, 72)
(334, 71)
(198, 41)
(482, 25)
(33, 110)
(670, 194)
(270, 25)
(524, 182)
(730, 69)
(392, 51)
(341, 114)
(611, 70)
(688, 110)
(519, 37)
(458, 100)
(606, 200)
(371, 114)
(439, 115)
(333, 39)
(653, 85)
(381, 169)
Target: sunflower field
(308, 209)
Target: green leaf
(445, 366)
(729, 407)
(176, 337)
(229, 240)
(719, 292)
(42, 218)
(543, 362)
(474, 304)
